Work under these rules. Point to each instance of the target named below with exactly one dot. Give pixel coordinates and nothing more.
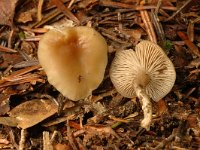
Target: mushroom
(74, 60)
(146, 73)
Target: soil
(34, 115)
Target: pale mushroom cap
(148, 66)
(74, 60)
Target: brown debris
(26, 16)
(6, 49)
(161, 107)
(7, 11)
(148, 25)
(4, 104)
(194, 49)
(105, 120)
(29, 116)
(39, 12)
(65, 11)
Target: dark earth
(34, 115)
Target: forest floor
(29, 105)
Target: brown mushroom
(74, 60)
(146, 73)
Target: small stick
(148, 25)
(24, 64)
(46, 141)
(21, 72)
(46, 19)
(133, 7)
(164, 142)
(66, 11)
(33, 39)
(11, 37)
(39, 11)
(6, 49)
(158, 27)
(70, 3)
(36, 30)
(71, 138)
(157, 7)
(178, 11)
(194, 49)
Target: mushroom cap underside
(148, 66)
(74, 60)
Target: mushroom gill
(146, 73)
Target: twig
(125, 120)
(194, 49)
(56, 137)
(158, 27)
(24, 55)
(50, 97)
(39, 11)
(25, 64)
(148, 25)
(36, 30)
(11, 37)
(28, 78)
(21, 72)
(6, 49)
(111, 35)
(157, 7)
(190, 28)
(101, 96)
(190, 31)
(179, 10)
(13, 139)
(46, 141)
(46, 19)
(33, 39)
(71, 138)
(134, 7)
(119, 18)
(66, 11)
(20, 77)
(70, 3)
(164, 142)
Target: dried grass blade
(6, 49)
(39, 11)
(194, 49)
(21, 72)
(179, 10)
(148, 25)
(65, 11)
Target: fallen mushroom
(74, 60)
(146, 73)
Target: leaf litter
(106, 120)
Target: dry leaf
(161, 107)
(32, 112)
(62, 147)
(26, 16)
(9, 59)
(7, 11)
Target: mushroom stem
(146, 106)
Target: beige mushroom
(74, 60)
(146, 73)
